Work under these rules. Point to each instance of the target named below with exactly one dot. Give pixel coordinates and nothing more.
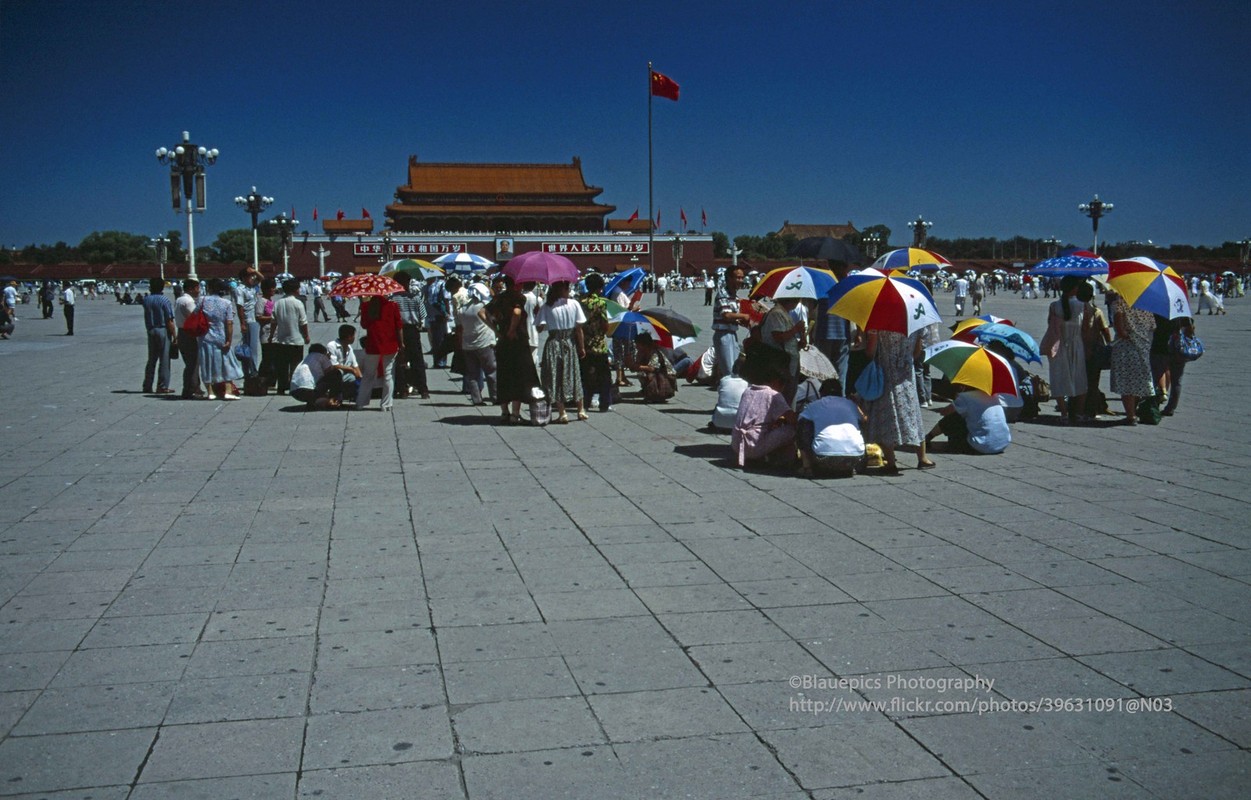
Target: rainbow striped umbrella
(1150, 285)
(629, 324)
(972, 365)
(803, 282)
(876, 301)
(973, 322)
(910, 258)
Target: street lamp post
(386, 247)
(286, 231)
(677, 254)
(1246, 251)
(920, 229)
(186, 182)
(254, 204)
(161, 245)
(1095, 209)
(1053, 246)
(871, 241)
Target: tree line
(1016, 248)
(118, 247)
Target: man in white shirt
(289, 334)
(188, 345)
(343, 359)
(662, 283)
(962, 293)
(67, 303)
(319, 302)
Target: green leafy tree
(114, 247)
(720, 245)
(235, 246)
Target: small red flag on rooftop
(703, 218)
(633, 216)
(664, 86)
(314, 213)
(365, 213)
(682, 214)
(339, 215)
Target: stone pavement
(242, 600)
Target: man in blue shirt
(727, 316)
(974, 423)
(158, 316)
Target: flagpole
(651, 212)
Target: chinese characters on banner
(410, 248)
(591, 248)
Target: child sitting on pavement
(974, 423)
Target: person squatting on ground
(974, 423)
(828, 434)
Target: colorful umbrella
(333, 275)
(972, 365)
(973, 322)
(629, 324)
(1083, 266)
(367, 286)
(908, 258)
(1147, 284)
(677, 324)
(876, 301)
(413, 266)
(539, 267)
(803, 282)
(1018, 341)
(628, 282)
(463, 262)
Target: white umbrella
(463, 262)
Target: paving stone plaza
(244, 600)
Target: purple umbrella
(541, 267)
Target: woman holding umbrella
(895, 417)
(1131, 355)
(562, 317)
(516, 376)
(384, 339)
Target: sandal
(927, 464)
(563, 419)
(582, 415)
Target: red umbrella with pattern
(367, 286)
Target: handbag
(196, 323)
(1148, 411)
(1101, 355)
(871, 383)
(659, 387)
(1188, 348)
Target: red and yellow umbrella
(973, 322)
(877, 301)
(972, 365)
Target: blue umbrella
(1018, 341)
(628, 282)
(1079, 265)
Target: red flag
(292, 212)
(365, 214)
(682, 215)
(314, 213)
(703, 218)
(664, 86)
(657, 220)
(339, 215)
(633, 216)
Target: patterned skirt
(561, 372)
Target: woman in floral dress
(1131, 356)
(895, 417)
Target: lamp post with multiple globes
(920, 229)
(254, 204)
(187, 163)
(1095, 209)
(161, 245)
(286, 230)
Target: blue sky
(989, 118)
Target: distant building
(347, 226)
(501, 198)
(806, 231)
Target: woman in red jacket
(380, 317)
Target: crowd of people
(251, 336)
